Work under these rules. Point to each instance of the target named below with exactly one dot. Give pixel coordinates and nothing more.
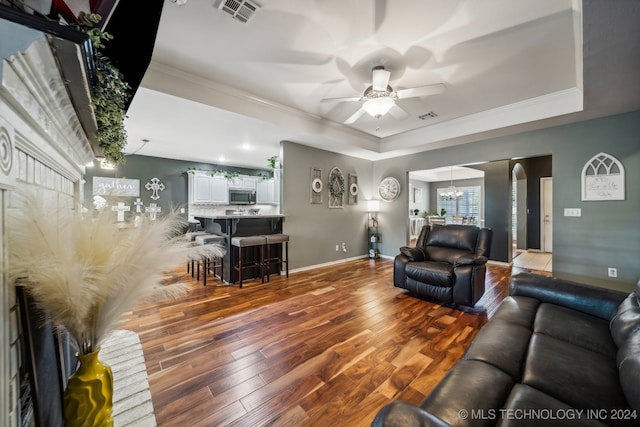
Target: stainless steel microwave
(242, 197)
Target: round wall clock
(389, 189)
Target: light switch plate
(572, 212)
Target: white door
(546, 209)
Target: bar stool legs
(208, 264)
(280, 260)
(256, 242)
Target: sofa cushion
(629, 368)
(402, 414)
(502, 345)
(527, 406)
(575, 327)
(470, 386)
(582, 378)
(517, 311)
(626, 321)
(432, 272)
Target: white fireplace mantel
(33, 87)
(45, 120)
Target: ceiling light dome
(378, 107)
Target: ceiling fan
(380, 98)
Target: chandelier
(452, 193)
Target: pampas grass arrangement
(86, 270)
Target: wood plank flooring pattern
(326, 347)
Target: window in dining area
(464, 210)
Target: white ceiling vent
(429, 115)
(242, 10)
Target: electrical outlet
(344, 247)
(612, 272)
(337, 248)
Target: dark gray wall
(315, 229)
(535, 168)
(606, 235)
(171, 173)
(497, 207)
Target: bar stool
(208, 264)
(191, 236)
(280, 260)
(248, 242)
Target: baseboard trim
(326, 264)
(502, 263)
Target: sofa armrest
(470, 259)
(413, 253)
(402, 414)
(600, 302)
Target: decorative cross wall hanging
(154, 185)
(139, 205)
(121, 209)
(152, 210)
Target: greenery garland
(109, 95)
(336, 183)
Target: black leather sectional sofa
(554, 353)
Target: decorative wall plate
(352, 197)
(316, 185)
(389, 189)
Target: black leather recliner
(448, 264)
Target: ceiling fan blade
(426, 90)
(353, 98)
(398, 113)
(355, 116)
(380, 79)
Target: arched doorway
(519, 209)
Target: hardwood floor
(328, 347)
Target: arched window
(603, 178)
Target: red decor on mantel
(68, 10)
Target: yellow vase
(88, 398)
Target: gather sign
(116, 187)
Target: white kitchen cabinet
(268, 192)
(264, 192)
(246, 182)
(235, 182)
(219, 190)
(200, 188)
(205, 189)
(250, 182)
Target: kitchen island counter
(232, 226)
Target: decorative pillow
(626, 322)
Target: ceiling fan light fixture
(378, 107)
